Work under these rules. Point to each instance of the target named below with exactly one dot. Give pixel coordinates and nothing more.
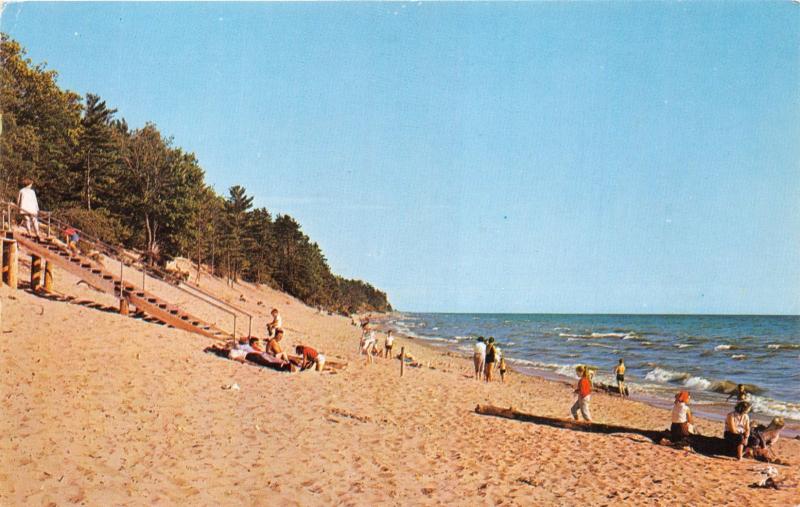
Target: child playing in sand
(310, 357)
(584, 391)
(619, 371)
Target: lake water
(706, 354)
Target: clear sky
(517, 157)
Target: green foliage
(133, 187)
(99, 223)
(40, 127)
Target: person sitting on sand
(763, 438)
(388, 344)
(276, 324)
(491, 358)
(584, 391)
(740, 393)
(310, 357)
(737, 428)
(682, 420)
(619, 371)
(274, 346)
(479, 357)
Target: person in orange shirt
(310, 357)
(584, 392)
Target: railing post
(48, 277)
(36, 272)
(10, 263)
(234, 326)
(250, 326)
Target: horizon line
(610, 313)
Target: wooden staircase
(96, 276)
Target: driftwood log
(710, 446)
(607, 388)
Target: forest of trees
(135, 188)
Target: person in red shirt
(584, 392)
(310, 357)
(72, 237)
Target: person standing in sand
(29, 207)
(479, 357)
(369, 344)
(502, 366)
(619, 371)
(388, 344)
(584, 391)
(491, 358)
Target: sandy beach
(101, 409)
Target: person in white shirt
(682, 421)
(387, 346)
(29, 207)
(276, 324)
(737, 428)
(369, 344)
(479, 357)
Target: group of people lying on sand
(273, 355)
(270, 353)
(744, 438)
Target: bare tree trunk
(88, 192)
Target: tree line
(134, 187)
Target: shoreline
(714, 411)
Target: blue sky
(514, 157)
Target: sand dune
(100, 409)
